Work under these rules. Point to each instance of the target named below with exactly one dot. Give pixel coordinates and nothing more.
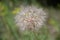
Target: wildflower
(30, 18)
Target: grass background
(9, 31)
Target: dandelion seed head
(30, 18)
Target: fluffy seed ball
(30, 18)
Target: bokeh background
(9, 30)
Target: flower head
(30, 18)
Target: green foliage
(8, 29)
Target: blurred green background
(9, 31)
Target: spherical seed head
(30, 18)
